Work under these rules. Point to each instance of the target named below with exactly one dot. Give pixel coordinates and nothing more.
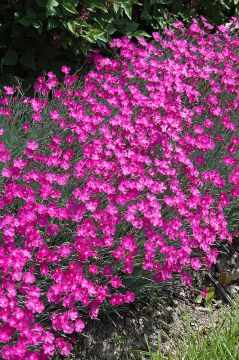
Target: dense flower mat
(125, 175)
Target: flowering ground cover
(111, 183)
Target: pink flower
(208, 123)
(93, 269)
(29, 278)
(26, 126)
(195, 263)
(32, 145)
(94, 309)
(107, 271)
(9, 90)
(186, 278)
(64, 346)
(52, 229)
(200, 160)
(79, 325)
(66, 69)
(204, 293)
(36, 117)
(129, 243)
(129, 297)
(116, 282)
(6, 333)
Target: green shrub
(158, 14)
(37, 35)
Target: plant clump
(125, 176)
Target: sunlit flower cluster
(130, 170)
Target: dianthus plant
(129, 171)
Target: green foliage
(162, 13)
(39, 35)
